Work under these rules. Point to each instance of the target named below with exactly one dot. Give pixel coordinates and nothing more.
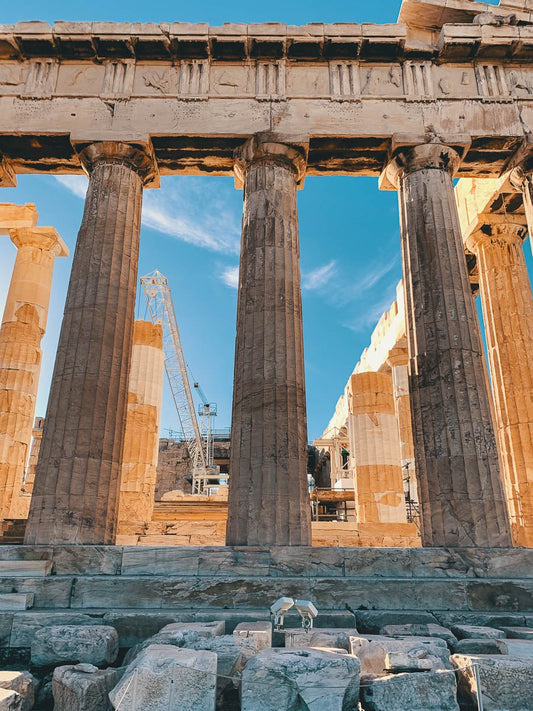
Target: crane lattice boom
(159, 299)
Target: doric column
(398, 360)
(507, 305)
(461, 495)
(77, 480)
(268, 497)
(23, 326)
(141, 437)
(375, 446)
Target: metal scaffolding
(159, 299)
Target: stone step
(25, 568)
(11, 540)
(425, 564)
(16, 601)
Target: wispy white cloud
(77, 184)
(230, 276)
(184, 210)
(319, 277)
(368, 314)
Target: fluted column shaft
(23, 326)
(507, 305)
(77, 480)
(461, 495)
(376, 449)
(268, 497)
(141, 437)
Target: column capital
(8, 177)
(13, 216)
(45, 238)
(270, 147)
(521, 173)
(397, 356)
(139, 157)
(409, 160)
(499, 233)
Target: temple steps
(12, 531)
(16, 601)
(25, 568)
(142, 585)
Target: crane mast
(159, 300)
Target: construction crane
(159, 300)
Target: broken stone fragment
(203, 629)
(338, 638)
(286, 679)
(479, 646)
(477, 632)
(10, 700)
(257, 633)
(164, 677)
(506, 683)
(83, 687)
(372, 621)
(418, 630)
(22, 683)
(412, 661)
(372, 651)
(525, 633)
(94, 644)
(416, 692)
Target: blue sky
(350, 246)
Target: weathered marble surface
(281, 561)
(373, 650)
(506, 682)
(484, 645)
(275, 679)
(259, 634)
(25, 568)
(16, 601)
(418, 630)
(83, 688)
(337, 638)
(10, 700)
(163, 676)
(96, 644)
(416, 692)
(479, 632)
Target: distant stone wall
(173, 466)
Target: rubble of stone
(200, 667)
(412, 692)
(83, 687)
(163, 676)
(277, 679)
(96, 644)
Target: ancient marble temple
(442, 94)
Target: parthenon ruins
(411, 516)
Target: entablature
(179, 41)
(362, 92)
